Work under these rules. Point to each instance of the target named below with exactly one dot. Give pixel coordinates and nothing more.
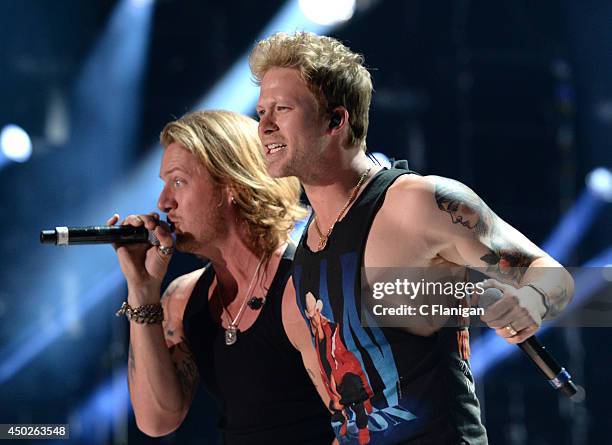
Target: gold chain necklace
(324, 237)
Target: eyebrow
(172, 170)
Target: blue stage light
(577, 220)
(599, 182)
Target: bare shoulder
(174, 301)
(405, 202)
(415, 218)
(410, 188)
(425, 196)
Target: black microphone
(557, 376)
(66, 236)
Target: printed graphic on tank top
(386, 385)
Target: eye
(282, 108)
(178, 182)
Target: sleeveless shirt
(262, 390)
(390, 386)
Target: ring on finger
(510, 330)
(166, 250)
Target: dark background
(513, 98)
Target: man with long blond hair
(234, 324)
(389, 384)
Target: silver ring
(165, 250)
(510, 330)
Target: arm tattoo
(171, 290)
(464, 207)
(508, 263)
(165, 300)
(186, 368)
(505, 259)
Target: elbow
(159, 426)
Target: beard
(189, 242)
(186, 242)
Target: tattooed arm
(475, 236)
(162, 372)
(456, 227)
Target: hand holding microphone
(518, 315)
(492, 299)
(144, 246)
(144, 264)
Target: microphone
(67, 236)
(557, 376)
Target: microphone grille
(152, 238)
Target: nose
(267, 123)
(166, 201)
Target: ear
(338, 119)
(229, 196)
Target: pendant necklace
(231, 332)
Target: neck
(235, 262)
(330, 192)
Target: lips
(274, 147)
(171, 222)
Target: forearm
(155, 389)
(551, 279)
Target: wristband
(543, 295)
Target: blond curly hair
(335, 75)
(229, 148)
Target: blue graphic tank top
(387, 386)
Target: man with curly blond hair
(313, 109)
(233, 325)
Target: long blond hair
(228, 146)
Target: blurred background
(513, 98)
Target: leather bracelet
(146, 314)
(544, 297)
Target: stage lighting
(599, 182)
(140, 3)
(15, 142)
(325, 12)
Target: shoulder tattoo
(505, 258)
